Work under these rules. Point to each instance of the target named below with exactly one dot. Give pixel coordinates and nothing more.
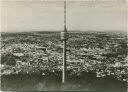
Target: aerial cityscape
(72, 57)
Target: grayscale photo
(64, 45)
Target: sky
(17, 16)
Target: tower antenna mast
(65, 15)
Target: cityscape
(66, 60)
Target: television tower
(64, 38)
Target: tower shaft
(64, 47)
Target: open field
(95, 61)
